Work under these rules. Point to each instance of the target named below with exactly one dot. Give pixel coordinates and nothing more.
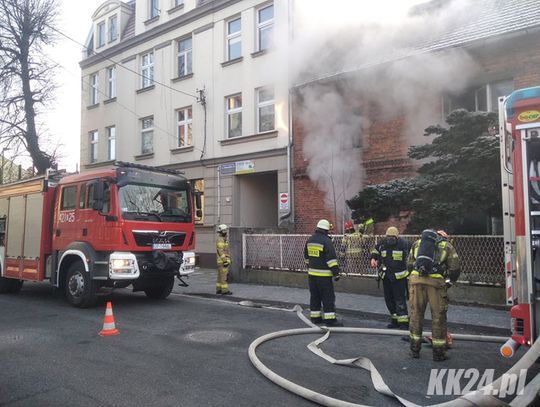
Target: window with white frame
(265, 27)
(234, 115)
(111, 142)
(234, 39)
(94, 91)
(147, 69)
(482, 98)
(111, 82)
(177, 3)
(113, 28)
(147, 135)
(185, 57)
(265, 109)
(101, 34)
(93, 138)
(184, 133)
(154, 8)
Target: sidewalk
(203, 281)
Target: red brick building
(503, 43)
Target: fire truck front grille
(143, 238)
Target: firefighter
(432, 260)
(223, 260)
(352, 248)
(390, 258)
(320, 257)
(367, 227)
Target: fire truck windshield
(154, 203)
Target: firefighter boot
(415, 348)
(393, 322)
(439, 354)
(316, 320)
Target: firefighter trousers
(395, 296)
(424, 290)
(321, 290)
(222, 286)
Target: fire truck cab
(519, 131)
(127, 225)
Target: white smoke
(356, 57)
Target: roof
(477, 20)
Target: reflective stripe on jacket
(394, 257)
(445, 256)
(222, 250)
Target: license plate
(161, 246)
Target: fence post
(281, 252)
(243, 251)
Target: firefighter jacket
(367, 227)
(446, 261)
(352, 243)
(393, 256)
(320, 255)
(222, 250)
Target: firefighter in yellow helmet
(390, 258)
(432, 260)
(320, 257)
(223, 260)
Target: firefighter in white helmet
(223, 258)
(320, 257)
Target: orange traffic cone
(108, 323)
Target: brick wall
(384, 152)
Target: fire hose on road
(480, 397)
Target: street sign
(227, 168)
(284, 201)
(238, 167)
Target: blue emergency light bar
(521, 94)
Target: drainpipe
(289, 107)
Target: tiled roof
(129, 31)
(482, 19)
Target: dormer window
(113, 28)
(101, 34)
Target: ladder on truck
(509, 215)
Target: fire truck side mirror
(97, 203)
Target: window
(111, 82)
(234, 116)
(147, 69)
(265, 109)
(113, 28)
(265, 27)
(484, 98)
(185, 58)
(184, 132)
(94, 98)
(234, 40)
(69, 198)
(177, 3)
(93, 146)
(154, 8)
(101, 34)
(198, 185)
(111, 142)
(147, 135)
(82, 193)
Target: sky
(63, 119)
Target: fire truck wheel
(79, 288)
(160, 292)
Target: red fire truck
(519, 131)
(127, 225)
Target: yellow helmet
(392, 231)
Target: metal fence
(481, 257)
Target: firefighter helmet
(392, 231)
(222, 228)
(324, 225)
(442, 233)
(349, 226)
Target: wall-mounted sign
(284, 201)
(239, 167)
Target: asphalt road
(192, 351)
